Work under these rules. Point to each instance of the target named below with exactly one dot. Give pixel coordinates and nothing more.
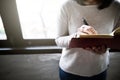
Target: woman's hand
(88, 30)
(97, 49)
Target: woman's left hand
(97, 49)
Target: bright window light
(2, 31)
(37, 18)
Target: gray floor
(43, 67)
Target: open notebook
(110, 40)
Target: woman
(84, 63)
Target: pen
(84, 21)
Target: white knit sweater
(77, 60)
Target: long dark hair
(105, 4)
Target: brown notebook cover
(110, 42)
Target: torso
(79, 61)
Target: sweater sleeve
(63, 37)
(64, 41)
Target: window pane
(2, 31)
(35, 24)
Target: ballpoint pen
(84, 21)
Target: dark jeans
(68, 76)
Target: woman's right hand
(86, 30)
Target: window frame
(11, 22)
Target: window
(23, 24)
(25, 32)
(37, 18)
(2, 31)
